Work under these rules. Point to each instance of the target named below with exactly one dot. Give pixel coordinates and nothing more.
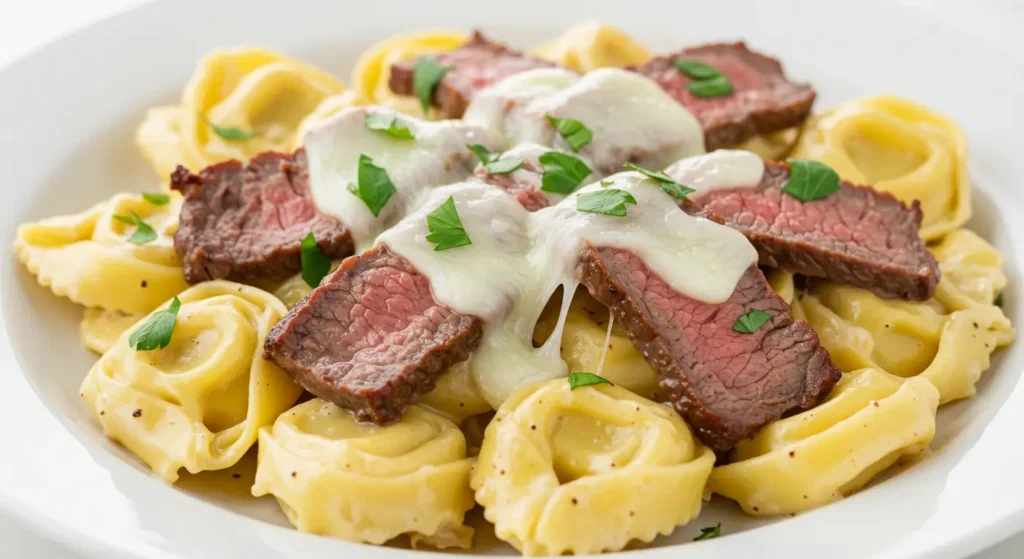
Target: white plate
(67, 119)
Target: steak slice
(762, 101)
(247, 222)
(857, 236)
(725, 384)
(474, 66)
(371, 338)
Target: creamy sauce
(437, 155)
(631, 117)
(724, 168)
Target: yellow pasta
(100, 328)
(947, 340)
(357, 481)
(870, 420)
(592, 45)
(326, 109)
(373, 69)
(587, 470)
(773, 146)
(456, 395)
(251, 89)
(899, 147)
(87, 257)
(199, 403)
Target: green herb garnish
(229, 133)
(483, 154)
(574, 132)
(156, 331)
(810, 180)
(385, 122)
(562, 172)
(999, 301)
(709, 532)
(143, 232)
(715, 87)
(579, 380)
(445, 227)
(696, 69)
(750, 322)
(425, 77)
(314, 264)
(667, 183)
(610, 201)
(157, 198)
(606, 183)
(504, 166)
(374, 188)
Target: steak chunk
(371, 338)
(857, 236)
(247, 222)
(762, 101)
(725, 384)
(474, 66)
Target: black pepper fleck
(574, 501)
(294, 474)
(792, 453)
(143, 284)
(137, 413)
(236, 476)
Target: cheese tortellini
(870, 420)
(456, 395)
(198, 403)
(592, 45)
(100, 328)
(249, 89)
(900, 147)
(89, 259)
(361, 482)
(587, 470)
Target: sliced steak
(857, 236)
(474, 66)
(371, 338)
(724, 383)
(247, 222)
(762, 101)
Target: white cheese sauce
(724, 168)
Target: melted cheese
(724, 168)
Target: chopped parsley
(314, 264)
(157, 198)
(667, 183)
(425, 77)
(229, 133)
(999, 301)
(562, 172)
(709, 532)
(574, 132)
(374, 188)
(606, 183)
(810, 180)
(579, 380)
(750, 322)
(707, 81)
(445, 227)
(386, 122)
(696, 69)
(143, 232)
(610, 201)
(504, 166)
(483, 154)
(157, 330)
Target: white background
(25, 25)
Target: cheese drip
(518, 259)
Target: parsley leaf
(714, 87)
(425, 77)
(374, 188)
(157, 198)
(667, 183)
(156, 331)
(572, 131)
(709, 532)
(606, 183)
(579, 380)
(314, 264)
(562, 172)
(504, 166)
(229, 133)
(482, 153)
(385, 122)
(610, 201)
(445, 227)
(999, 301)
(750, 322)
(810, 180)
(696, 69)
(143, 232)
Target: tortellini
(361, 482)
(592, 45)
(947, 340)
(870, 420)
(88, 258)
(198, 403)
(249, 89)
(900, 147)
(373, 69)
(100, 328)
(456, 395)
(587, 470)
